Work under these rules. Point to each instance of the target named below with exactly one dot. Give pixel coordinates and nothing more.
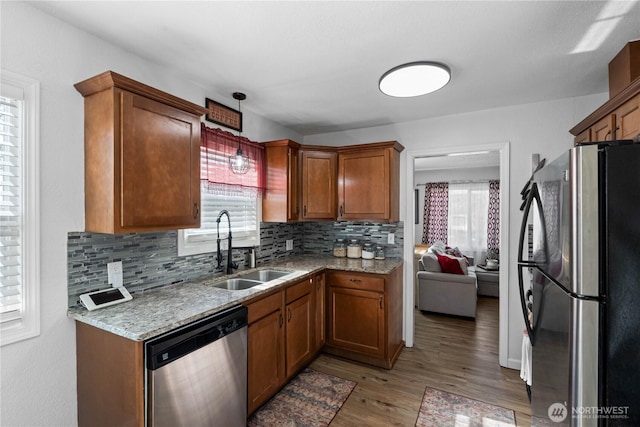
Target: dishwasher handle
(173, 345)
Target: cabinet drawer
(356, 281)
(296, 291)
(264, 306)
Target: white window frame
(207, 243)
(27, 323)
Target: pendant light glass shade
(414, 79)
(240, 163)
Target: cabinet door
(319, 174)
(603, 130)
(160, 158)
(319, 307)
(280, 200)
(364, 184)
(265, 358)
(293, 205)
(356, 320)
(299, 333)
(628, 119)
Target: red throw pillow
(449, 265)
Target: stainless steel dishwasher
(197, 374)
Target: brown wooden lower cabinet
(280, 340)
(365, 317)
(265, 349)
(319, 303)
(110, 378)
(299, 327)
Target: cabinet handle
(305, 210)
(289, 319)
(607, 135)
(281, 321)
(355, 280)
(340, 210)
(196, 210)
(380, 300)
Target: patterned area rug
(310, 399)
(443, 409)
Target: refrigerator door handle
(532, 196)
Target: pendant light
(240, 163)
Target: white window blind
(19, 218)
(10, 208)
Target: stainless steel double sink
(252, 278)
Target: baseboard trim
(514, 363)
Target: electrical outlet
(289, 246)
(114, 273)
(391, 238)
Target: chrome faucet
(230, 264)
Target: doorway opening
(491, 161)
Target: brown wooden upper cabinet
(280, 200)
(618, 118)
(142, 157)
(318, 181)
(369, 181)
(352, 183)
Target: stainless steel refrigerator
(579, 274)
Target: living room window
(463, 214)
(467, 215)
(19, 210)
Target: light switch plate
(391, 238)
(289, 245)
(114, 273)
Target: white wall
(446, 175)
(38, 381)
(531, 128)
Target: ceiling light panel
(414, 79)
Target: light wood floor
(452, 354)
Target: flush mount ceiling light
(240, 163)
(414, 79)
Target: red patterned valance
(216, 148)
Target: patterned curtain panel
(436, 208)
(493, 217)
(215, 149)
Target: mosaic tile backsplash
(151, 260)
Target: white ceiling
(314, 66)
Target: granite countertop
(163, 309)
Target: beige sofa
(446, 293)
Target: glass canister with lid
(368, 250)
(379, 253)
(354, 249)
(339, 248)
